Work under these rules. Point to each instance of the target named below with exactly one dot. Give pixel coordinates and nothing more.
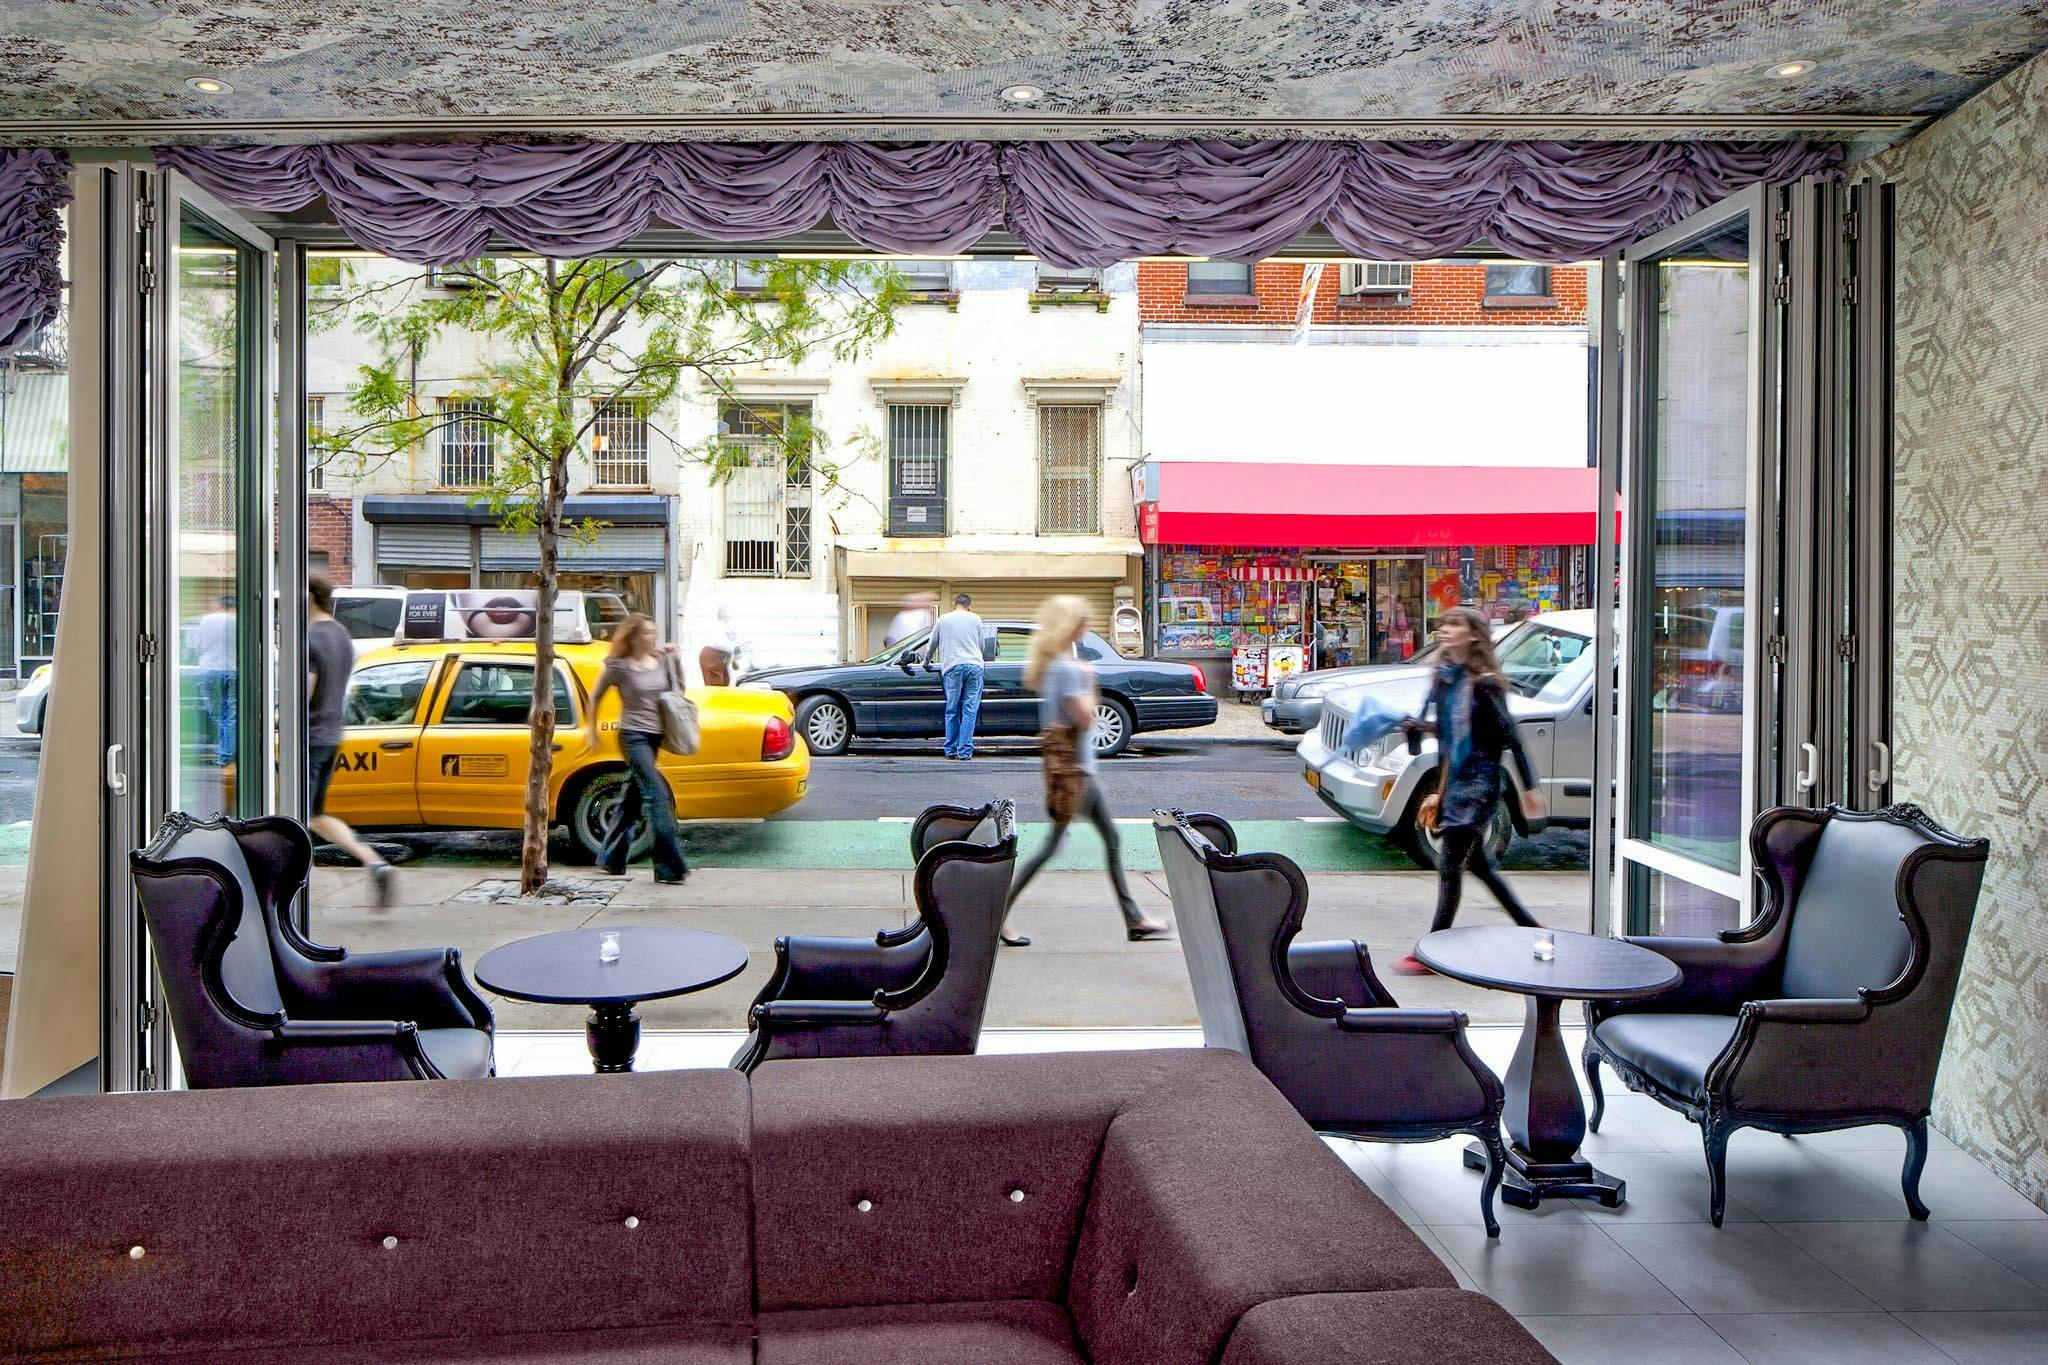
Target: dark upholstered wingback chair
(918, 990)
(1829, 1011)
(254, 1002)
(1312, 1016)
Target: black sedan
(898, 695)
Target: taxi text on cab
(436, 735)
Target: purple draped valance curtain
(1070, 203)
(35, 184)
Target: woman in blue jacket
(1474, 733)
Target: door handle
(554, 748)
(1809, 772)
(117, 781)
(392, 746)
(1882, 773)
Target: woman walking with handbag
(1065, 684)
(1474, 733)
(649, 682)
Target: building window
(1069, 470)
(1518, 285)
(1054, 279)
(919, 437)
(1220, 281)
(750, 276)
(469, 443)
(316, 427)
(618, 444)
(925, 277)
(768, 494)
(1376, 280)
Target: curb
(1173, 737)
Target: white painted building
(986, 447)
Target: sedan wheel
(825, 726)
(597, 809)
(1112, 733)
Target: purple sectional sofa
(1139, 1208)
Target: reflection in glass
(1688, 765)
(1671, 907)
(213, 422)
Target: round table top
(1502, 957)
(654, 961)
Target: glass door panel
(1690, 485)
(215, 586)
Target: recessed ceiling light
(1022, 94)
(210, 85)
(1785, 71)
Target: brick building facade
(330, 536)
(1442, 294)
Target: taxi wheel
(593, 810)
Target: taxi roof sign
(433, 616)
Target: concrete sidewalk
(1079, 972)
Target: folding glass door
(1754, 457)
(191, 620)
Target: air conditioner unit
(1053, 280)
(1377, 277)
(453, 277)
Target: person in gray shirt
(330, 658)
(956, 651)
(1066, 710)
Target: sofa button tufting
(864, 1206)
(1016, 1196)
(391, 1244)
(1130, 1281)
(632, 1221)
(135, 1252)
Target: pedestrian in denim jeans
(640, 673)
(956, 651)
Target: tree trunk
(540, 764)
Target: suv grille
(1332, 733)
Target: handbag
(1059, 751)
(679, 730)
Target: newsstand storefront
(1257, 571)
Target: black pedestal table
(1544, 1117)
(654, 962)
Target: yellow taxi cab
(436, 735)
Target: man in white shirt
(956, 650)
(213, 641)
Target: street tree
(568, 347)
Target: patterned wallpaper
(1971, 587)
(1207, 58)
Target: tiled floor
(1817, 1261)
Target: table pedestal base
(1526, 1183)
(613, 1032)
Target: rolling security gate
(401, 546)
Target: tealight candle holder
(608, 946)
(1546, 946)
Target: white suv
(1549, 666)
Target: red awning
(1196, 502)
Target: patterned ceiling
(866, 65)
